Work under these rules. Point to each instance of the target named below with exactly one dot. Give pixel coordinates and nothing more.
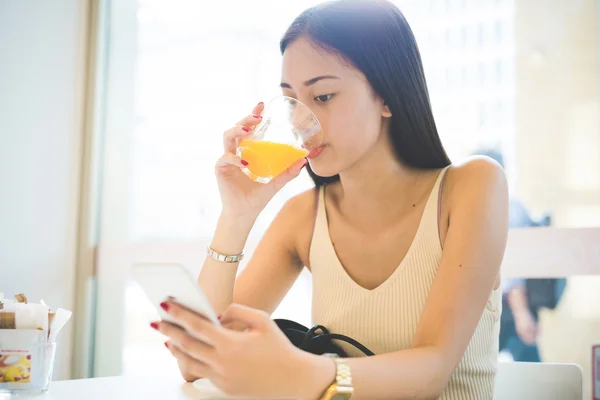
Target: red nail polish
(260, 104)
(244, 163)
(257, 116)
(246, 129)
(167, 345)
(219, 317)
(164, 306)
(154, 325)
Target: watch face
(341, 396)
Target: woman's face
(340, 96)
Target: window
(481, 72)
(500, 116)
(499, 72)
(480, 35)
(463, 76)
(481, 115)
(184, 76)
(498, 32)
(448, 37)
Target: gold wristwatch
(342, 388)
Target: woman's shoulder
(301, 212)
(302, 204)
(475, 174)
(473, 182)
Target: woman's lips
(315, 152)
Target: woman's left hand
(258, 362)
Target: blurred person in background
(523, 298)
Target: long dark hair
(375, 38)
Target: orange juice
(269, 159)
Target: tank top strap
(430, 220)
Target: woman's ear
(385, 112)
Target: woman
(405, 248)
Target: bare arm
(517, 299)
(243, 200)
(525, 322)
(271, 271)
(275, 264)
(217, 278)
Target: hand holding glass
(287, 133)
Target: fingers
(191, 366)
(259, 108)
(292, 172)
(192, 345)
(235, 326)
(231, 137)
(184, 374)
(231, 159)
(250, 317)
(250, 120)
(195, 325)
(243, 128)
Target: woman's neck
(379, 189)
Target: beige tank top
(385, 319)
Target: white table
(124, 388)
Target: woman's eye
(324, 98)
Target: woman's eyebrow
(311, 81)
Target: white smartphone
(159, 281)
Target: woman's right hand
(240, 195)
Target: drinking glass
(288, 132)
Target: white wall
(41, 90)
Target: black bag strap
(302, 337)
(353, 342)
